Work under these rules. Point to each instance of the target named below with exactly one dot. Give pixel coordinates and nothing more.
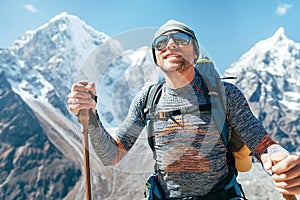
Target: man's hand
(80, 97)
(286, 173)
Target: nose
(171, 44)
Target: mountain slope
(31, 167)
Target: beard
(180, 67)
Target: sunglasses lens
(179, 38)
(161, 42)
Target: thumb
(266, 161)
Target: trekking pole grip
(84, 120)
(275, 158)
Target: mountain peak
(271, 54)
(280, 31)
(65, 16)
(61, 15)
(277, 40)
(279, 34)
(55, 25)
(278, 37)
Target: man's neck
(180, 79)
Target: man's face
(175, 56)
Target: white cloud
(30, 8)
(282, 9)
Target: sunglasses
(179, 38)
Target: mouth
(172, 56)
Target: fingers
(288, 190)
(91, 87)
(286, 175)
(288, 163)
(80, 98)
(287, 169)
(75, 108)
(288, 183)
(84, 86)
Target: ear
(195, 55)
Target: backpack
(238, 154)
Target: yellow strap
(204, 60)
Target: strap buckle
(162, 114)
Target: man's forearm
(107, 147)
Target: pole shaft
(84, 120)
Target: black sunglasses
(179, 38)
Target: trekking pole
(277, 157)
(84, 120)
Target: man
(186, 170)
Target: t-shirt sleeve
(244, 122)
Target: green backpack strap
(214, 93)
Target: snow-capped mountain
(268, 76)
(44, 63)
(40, 68)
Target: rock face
(40, 140)
(31, 166)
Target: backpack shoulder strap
(214, 91)
(152, 98)
(153, 95)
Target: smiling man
(192, 159)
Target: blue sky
(226, 29)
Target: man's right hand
(80, 97)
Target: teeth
(173, 55)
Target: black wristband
(94, 118)
(93, 97)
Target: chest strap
(184, 110)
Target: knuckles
(80, 97)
